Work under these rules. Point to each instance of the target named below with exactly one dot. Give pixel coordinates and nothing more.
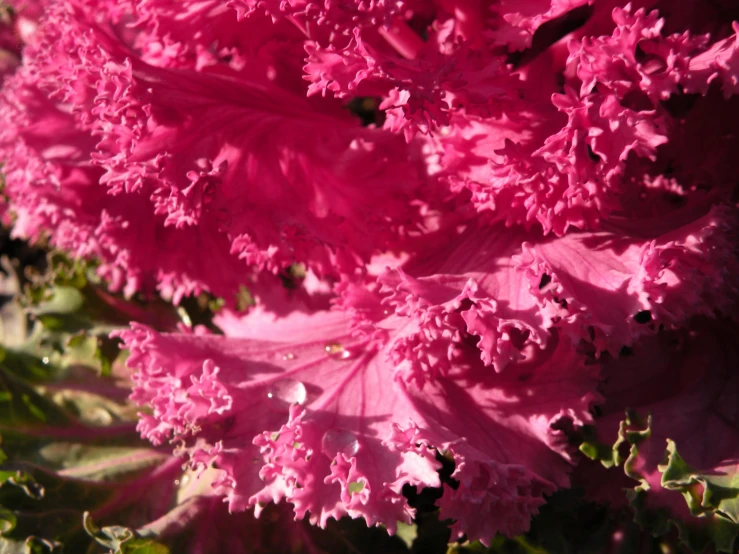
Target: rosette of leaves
(75, 476)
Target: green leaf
(122, 540)
(712, 496)
(407, 533)
(93, 351)
(31, 545)
(36, 545)
(244, 299)
(21, 406)
(720, 490)
(8, 520)
(633, 430)
(29, 366)
(47, 505)
(63, 300)
(144, 546)
(499, 545)
(13, 324)
(27, 484)
(99, 463)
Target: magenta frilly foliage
(531, 229)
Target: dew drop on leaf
(333, 348)
(337, 351)
(289, 391)
(339, 441)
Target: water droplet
(177, 482)
(348, 354)
(288, 391)
(288, 356)
(45, 359)
(334, 348)
(339, 352)
(338, 441)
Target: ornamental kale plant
(465, 270)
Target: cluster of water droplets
(289, 391)
(340, 441)
(334, 349)
(292, 391)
